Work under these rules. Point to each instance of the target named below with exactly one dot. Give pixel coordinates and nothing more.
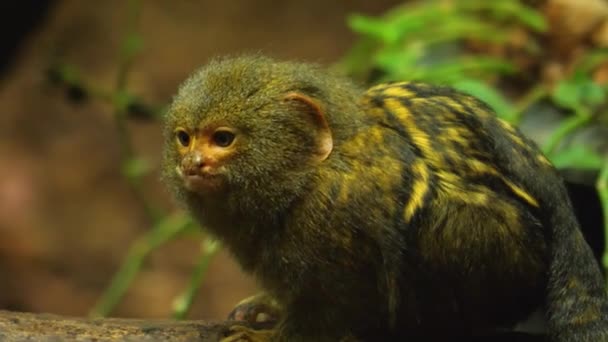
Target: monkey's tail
(577, 302)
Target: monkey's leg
(305, 324)
(260, 308)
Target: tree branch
(30, 327)
(21, 327)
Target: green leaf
(418, 19)
(508, 9)
(463, 67)
(566, 94)
(524, 14)
(592, 60)
(578, 91)
(411, 18)
(373, 27)
(462, 26)
(397, 62)
(594, 94)
(579, 157)
(486, 93)
(357, 61)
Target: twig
(67, 75)
(128, 52)
(531, 97)
(569, 125)
(183, 303)
(164, 231)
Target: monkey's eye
(183, 137)
(223, 138)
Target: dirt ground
(67, 217)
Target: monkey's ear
(309, 106)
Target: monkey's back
(471, 227)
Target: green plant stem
(165, 230)
(63, 74)
(569, 125)
(531, 97)
(602, 188)
(183, 302)
(128, 52)
(67, 75)
(121, 111)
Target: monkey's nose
(192, 164)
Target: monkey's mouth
(200, 182)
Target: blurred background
(67, 215)
(82, 85)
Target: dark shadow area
(21, 18)
(588, 209)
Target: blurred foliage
(423, 41)
(430, 41)
(426, 41)
(164, 226)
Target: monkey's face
(253, 154)
(203, 155)
(243, 133)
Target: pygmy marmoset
(404, 210)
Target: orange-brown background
(67, 217)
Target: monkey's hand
(261, 308)
(239, 333)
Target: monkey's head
(249, 131)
